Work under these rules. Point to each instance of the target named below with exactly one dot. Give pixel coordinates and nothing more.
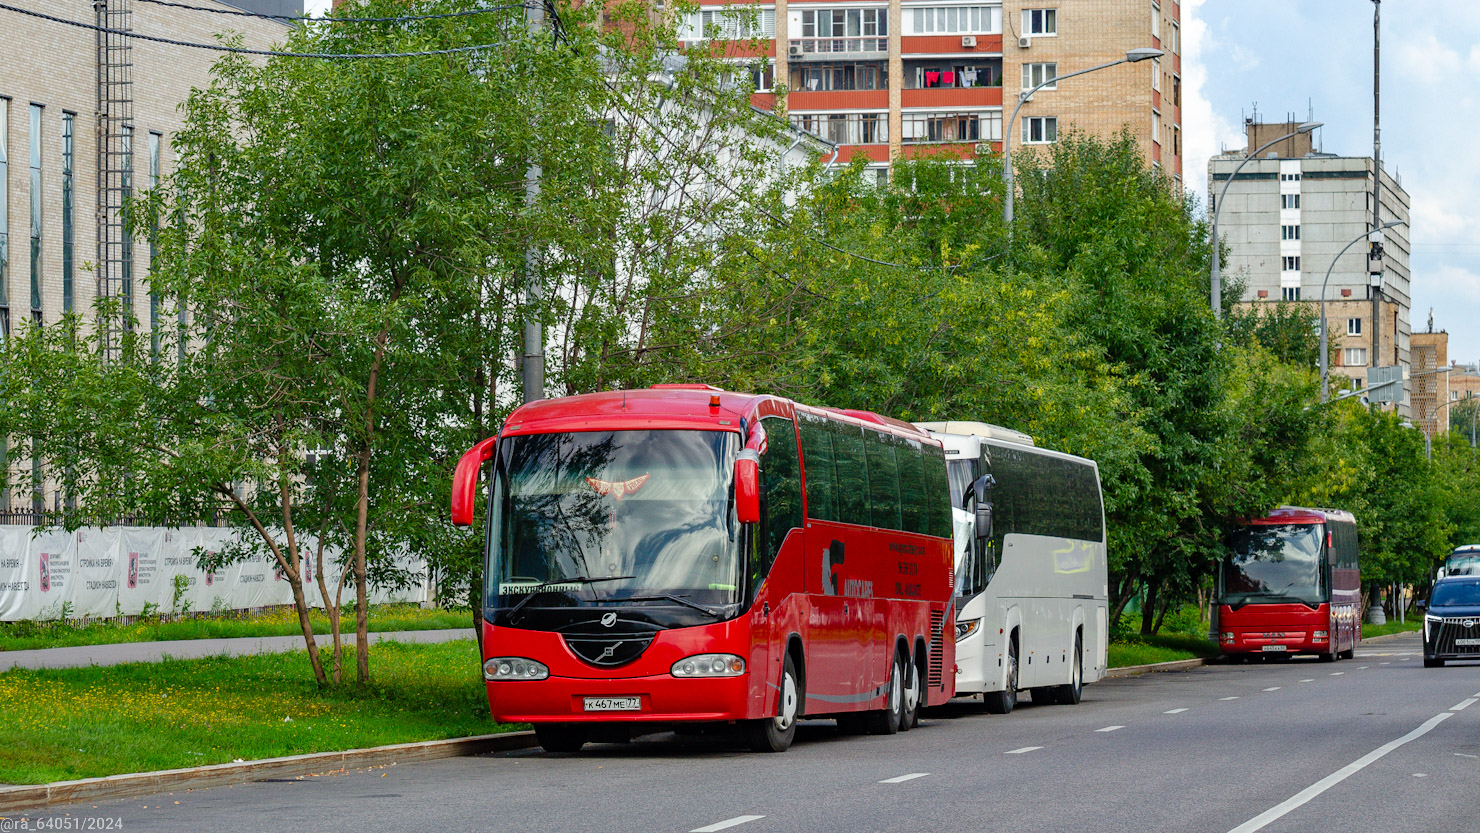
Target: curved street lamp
(1131, 57)
(1215, 278)
(1325, 382)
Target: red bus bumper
(662, 697)
(1275, 629)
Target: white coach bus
(1031, 581)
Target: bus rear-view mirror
(748, 488)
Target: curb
(1174, 665)
(1385, 636)
(37, 796)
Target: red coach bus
(1290, 583)
(686, 555)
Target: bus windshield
(605, 516)
(1274, 563)
(1465, 563)
(962, 473)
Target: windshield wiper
(546, 586)
(669, 597)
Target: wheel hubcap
(912, 691)
(894, 688)
(788, 713)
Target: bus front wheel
(1002, 702)
(560, 737)
(775, 734)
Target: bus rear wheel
(1002, 702)
(775, 734)
(560, 737)
(886, 721)
(1070, 693)
(914, 698)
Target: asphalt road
(1378, 743)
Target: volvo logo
(608, 619)
(610, 649)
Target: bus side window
(817, 461)
(852, 468)
(913, 491)
(781, 494)
(935, 492)
(883, 479)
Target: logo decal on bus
(618, 489)
(608, 619)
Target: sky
(1292, 57)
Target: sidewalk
(122, 652)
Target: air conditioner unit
(968, 41)
(1024, 43)
(794, 50)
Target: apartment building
(1285, 218)
(1430, 380)
(86, 119)
(891, 79)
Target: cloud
(1454, 282)
(1206, 129)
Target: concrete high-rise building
(1285, 218)
(86, 119)
(892, 79)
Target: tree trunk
(362, 513)
(1148, 607)
(330, 608)
(1117, 608)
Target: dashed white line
(725, 825)
(1462, 705)
(1465, 755)
(1278, 811)
(1307, 681)
(1420, 775)
(1337, 673)
(1273, 688)
(1174, 711)
(1109, 728)
(1363, 667)
(1228, 698)
(1384, 663)
(1021, 751)
(900, 779)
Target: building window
(762, 77)
(1290, 293)
(36, 212)
(955, 20)
(840, 76)
(69, 194)
(1155, 127)
(1156, 74)
(1290, 263)
(1155, 20)
(951, 127)
(1176, 39)
(1040, 22)
(1289, 232)
(1355, 356)
(1353, 326)
(1035, 74)
(1295, 177)
(845, 23)
(845, 128)
(951, 74)
(1040, 130)
(741, 23)
(1289, 200)
(1176, 91)
(1176, 141)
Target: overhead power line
(406, 18)
(239, 50)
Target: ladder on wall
(115, 170)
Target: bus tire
(914, 698)
(1002, 702)
(1070, 693)
(1328, 656)
(1349, 653)
(853, 723)
(1433, 662)
(560, 737)
(775, 734)
(886, 721)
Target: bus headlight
(1321, 636)
(709, 665)
(1228, 637)
(514, 668)
(967, 627)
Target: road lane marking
(1462, 705)
(1307, 681)
(1273, 688)
(1420, 775)
(1463, 755)
(1021, 751)
(1384, 663)
(1174, 711)
(725, 825)
(900, 779)
(1109, 728)
(1337, 673)
(1227, 698)
(1297, 800)
(1363, 667)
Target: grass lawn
(1414, 623)
(61, 724)
(21, 636)
(1144, 650)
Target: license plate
(1275, 648)
(1467, 641)
(613, 704)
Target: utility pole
(532, 367)
(1374, 253)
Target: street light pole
(1130, 57)
(1215, 276)
(1325, 381)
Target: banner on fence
(117, 571)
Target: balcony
(826, 48)
(952, 97)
